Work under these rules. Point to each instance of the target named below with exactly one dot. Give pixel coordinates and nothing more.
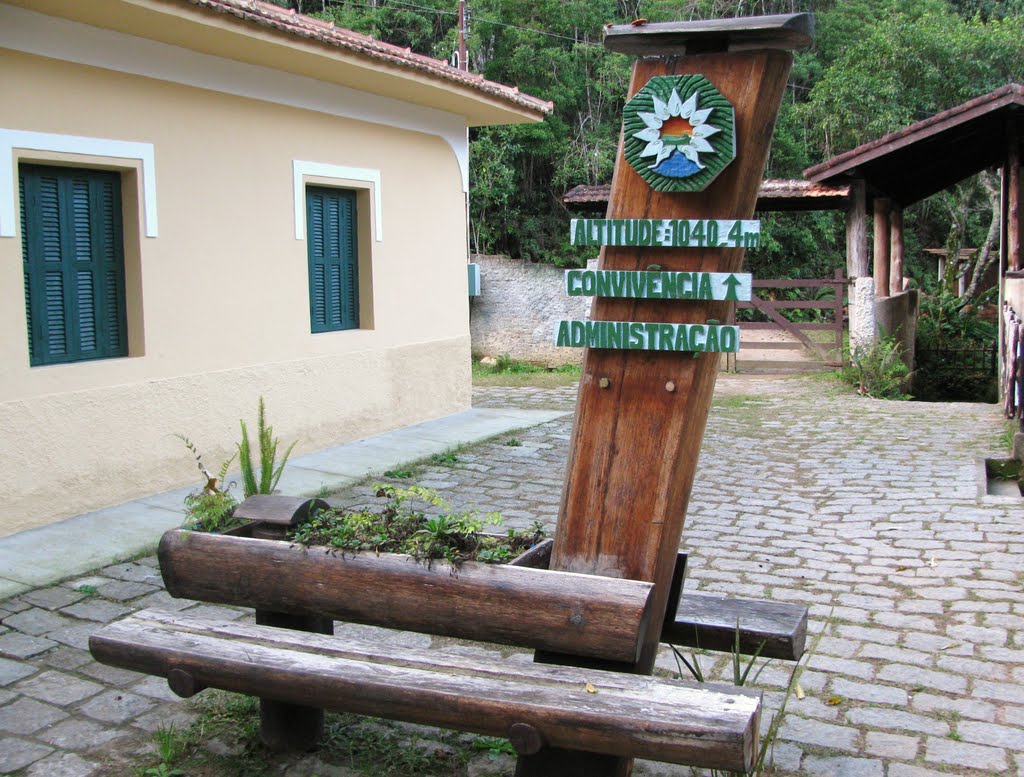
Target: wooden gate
(827, 296)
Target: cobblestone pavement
(867, 511)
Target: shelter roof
(933, 154)
(774, 195)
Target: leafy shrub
(879, 371)
(946, 325)
(948, 321)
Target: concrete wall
(218, 295)
(518, 307)
(897, 316)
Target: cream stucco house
(202, 201)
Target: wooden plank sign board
(641, 414)
(668, 233)
(636, 336)
(659, 285)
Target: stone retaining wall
(516, 311)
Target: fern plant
(265, 480)
(879, 371)
(212, 507)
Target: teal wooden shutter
(73, 258)
(333, 259)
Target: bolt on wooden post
(703, 100)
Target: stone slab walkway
(124, 531)
(870, 512)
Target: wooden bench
(534, 705)
(298, 669)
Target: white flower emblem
(676, 126)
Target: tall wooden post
(1011, 182)
(641, 415)
(882, 245)
(896, 250)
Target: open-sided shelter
(920, 160)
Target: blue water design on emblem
(677, 166)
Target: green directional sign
(666, 233)
(732, 288)
(658, 284)
(693, 338)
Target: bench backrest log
(557, 611)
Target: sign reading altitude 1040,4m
(667, 233)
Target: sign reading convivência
(648, 284)
(634, 336)
(666, 233)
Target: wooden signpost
(696, 134)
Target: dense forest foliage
(876, 66)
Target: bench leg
(290, 727)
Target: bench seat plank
(709, 622)
(628, 715)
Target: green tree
(876, 66)
(910, 61)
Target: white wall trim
(71, 144)
(321, 170)
(47, 36)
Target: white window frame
(301, 168)
(72, 144)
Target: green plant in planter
(269, 469)
(210, 511)
(402, 526)
(211, 508)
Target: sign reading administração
(666, 233)
(648, 336)
(658, 284)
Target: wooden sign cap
(783, 31)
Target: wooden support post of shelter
(857, 232)
(641, 415)
(895, 250)
(882, 246)
(1011, 198)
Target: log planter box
(561, 612)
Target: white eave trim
(47, 36)
(11, 139)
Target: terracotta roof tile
(1011, 93)
(288, 21)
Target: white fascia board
(47, 36)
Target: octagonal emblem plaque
(679, 133)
